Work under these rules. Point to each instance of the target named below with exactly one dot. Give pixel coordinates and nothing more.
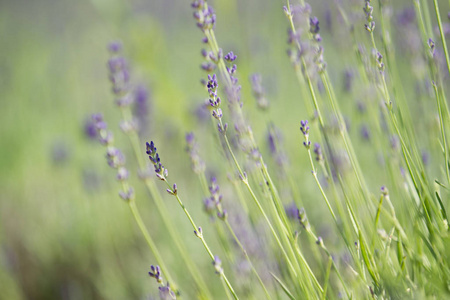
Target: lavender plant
(376, 244)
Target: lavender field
(224, 149)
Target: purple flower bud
(208, 66)
(115, 47)
(230, 57)
(122, 174)
(291, 211)
(319, 241)
(314, 25)
(115, 158)
(166, 293)
(217, 263)
(90, 129)
(128, 195)
(304, 128)
(318, 152)
(156, 273)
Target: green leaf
(283, 286)
(443, 211)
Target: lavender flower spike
(160, 171)
(304, 128)
(318, 152)
(197, 164)
(258, 91)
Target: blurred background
(64, 232)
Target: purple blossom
(119, 76)
(230, 57)
(314, 25)
(208, 66)
(127, 195)
(304, 128)
(165, 293)
(156, 273)
(153, 156)
(365, 132)
(115, 47)
(197, 164)
(258, 91)
(291, 211)
(90, 129)
(142, 109)
(406, 16)
(204, 15)
(115, 158)
(318, 152)
(217, 263)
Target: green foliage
(373, 200)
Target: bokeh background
(64, 232)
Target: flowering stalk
(116, 160)
(165, 291)
(215, 102)
(222, 214)
(162, 174)
(206, 22)
(120, 79)
(414, 165)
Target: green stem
(150, 242)
(236, 239)
(162, 210)
(200, 236)
(441, 31)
